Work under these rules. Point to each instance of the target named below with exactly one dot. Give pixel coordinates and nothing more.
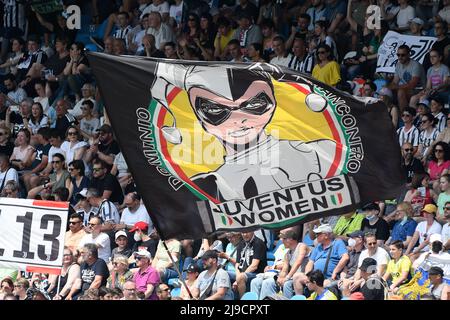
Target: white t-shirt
(122, 167)
(53, 150)
(422, 229)
(281, 61)
(140, 214)
(76, 110)
(89, 126)
(161, 8)
(11, 174)
(176, 12)
(404, 16)
(102, 240)
(381, 256)
(70, 150)
(445, 14)
(445, 233)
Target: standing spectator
(247, 32)
(76, 232)
(120, 272)
(374, 224)
(105, 183)
(63, 283)
(409, 74)
(405, 226)
(315, 284)
(409, 133)
(423, 232)
(251, 254)
(99, 239)
(146, 277)
(63, 119)
(326, 70)
(398, 271)
(94, 272)
(213, 283)
(282, 57)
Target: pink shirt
(436, 170)
(149, 276)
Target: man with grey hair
(18, 120)
(107, 211)
(330, 256)
(98, 238)
(87, 93)
(162, 32)
(93, 272)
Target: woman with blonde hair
(404, 227)
(69, 273)
(120, 273)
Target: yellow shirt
(327, 295)
(224, 39)
(329, 73)
(395, 269)
(345, 225)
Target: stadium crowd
(56, 143)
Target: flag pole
(177, 270)
(59, 284)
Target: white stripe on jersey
(411, 136)
(442, 123)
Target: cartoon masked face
(235, 121)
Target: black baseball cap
(369, 265)
(210, 254)
(192, 268)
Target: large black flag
(226, 146)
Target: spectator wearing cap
(409, 74)
(416, 27)
(282, 56)
(398, 271)
(315, 282)
(330, 256)
(385, 94)
(252, 259)
(143, 237)
(84, 208)
(410, 165)
(105, 148)
(76, 231)
(436, 255)
(122, 248)
(146, 277)
(163, 262)
(247, 32)
(409, 133)
(119, 272)
(436, 276)
(192, 273)
(96, 236)
(423, 232)
(355, 247)
(347, 224)
(105, 183)
(374, 287)
(374, 224)
(213, 283)
(94, 271)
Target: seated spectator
(409, 74)
(146, 277)
(78, 181)
(230, 254)
(99, 239)
(398, 271)
(94, 272)
(77, 71)
(439, 163)
(58, 179)
(355, 247)
(235, 51)
(122, 249)
(84, 208)
(37, 119)
(6, 146)
(405, 14)
(11, 189)
(105, 183)
(225, 33)
(163, 292)
(17, 53)
(123, 27)
(192, 273)
(420, 193)
(385, 94)
(436, 276)
(446, 227)
(18, 120)
(247, 32)
(15, 94)
(408, 132)
(252, 259)
(423, 232)
(104, 148)
(437, 108)
(374, 287)
(74, 147)
(347, 224)
(282, 56)
(320, 31)
(87, 94)
(374, 224)
(161, 31)
(428, 134)
(22, 155)
(120, 170)
(144, 237)
(164, 263)
(63, 119)
(62, 284)
(435, 256)
(21, 287)
(255, 52)
(7, 173)
(315, 283)
(404, 226)
(170, 50)
(75, 233)
(213, 283)
(326, 69)
(107, 211)
(6, 287)
(88, 123)
(301, 60)
(330, 255)
(119, 274)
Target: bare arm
(253, 266)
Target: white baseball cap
(323, 228)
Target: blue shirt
(400, 232)
(319, 256)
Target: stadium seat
(298, 297)
(91, 47)
(250, 296)
(271, 253)
(175, 292)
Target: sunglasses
(401, 54)
(56, 161)
(371, 243)
(139, 258)
(215, 113)
(74, 222)
(2, 133)
(97, 169)
(439, 150)
(72, 133)
(447, 208)
(408, 150)
(92, 224)
(71, 169)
